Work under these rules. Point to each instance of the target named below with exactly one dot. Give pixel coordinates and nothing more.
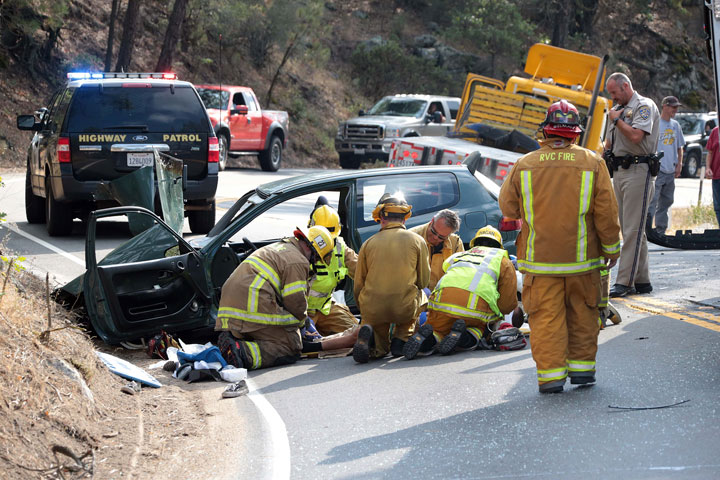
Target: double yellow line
(671, 310)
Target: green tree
(497, 27)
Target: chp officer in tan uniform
(391, 272)
(442, 241)
(263, 304)
(570, 229)
(633, 129)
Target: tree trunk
(172, 35)
(286, 56)
(111, 35)
(561, 27)
(128, 36)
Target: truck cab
(369, 136)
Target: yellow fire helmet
(494, 239)
(389, 204)
(318, 238)
(326, 216)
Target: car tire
(271, 158)
(224, 145)
(350, 161)
(691, 165)
(34, 205)
(59, 215)
(202, 221)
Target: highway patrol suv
(101, 126)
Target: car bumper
(377, 149)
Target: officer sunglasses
(434, 232)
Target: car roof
(122, 81)
(221, 87)
(321, 177)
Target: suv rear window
(158, 109)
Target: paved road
(478, 415)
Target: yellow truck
(501, 120)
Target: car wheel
(59, 215)
(691, 165)
(202, 221)
(270, 159)
(350, 161)
(224, 144)
(34, 205)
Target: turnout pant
(392, 324)
(269, 345)
(634, 189)
(442, 321)
(338, 320)
(563, 317)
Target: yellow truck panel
(521, 103)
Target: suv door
(164, 285)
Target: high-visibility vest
(327, 278)
(476, 271)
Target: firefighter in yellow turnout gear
(329, 316)
(570, 231)
(392, 270)
(479, 287)
(263, 304)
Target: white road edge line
(279, 456)
(45, 244)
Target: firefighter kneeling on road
(392, 270)
(570, 230)
(263, 305)
(329, 316)
(479, 286)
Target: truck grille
(365, 132)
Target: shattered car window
(169, 171)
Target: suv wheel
(270, 159)
(34, 205)
(349, 161)
(59, 215)
(202, 221)
(224, 145)
(691, 165)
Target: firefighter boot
(232, 351)
(365, 341)
(450, 341)
(556, 386)
(397, 347)
(421, 341)
(582, 379)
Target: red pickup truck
(242, 127)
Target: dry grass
(695, 218)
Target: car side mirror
(361, 113)
(240, 110)
(27, 122)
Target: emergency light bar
(95, 76)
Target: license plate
(140, 159)
(359, 151)
(405, 163)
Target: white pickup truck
(368, 137)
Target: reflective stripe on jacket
(326, 279)
(268, 288)
(478, 272)
(564, 196)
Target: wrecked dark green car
(158, 280)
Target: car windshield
(114, 108)
(690, 125)
(399, 107)
(214, 98)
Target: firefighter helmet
(318, 238)
(326, 216)
(391, 205)
(562, 120)
(487, 236)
